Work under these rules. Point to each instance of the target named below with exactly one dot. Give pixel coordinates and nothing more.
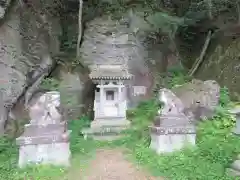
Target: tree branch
(79, 27)
(199, 60)
(210, 15)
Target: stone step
(104, 130)
(104, 133)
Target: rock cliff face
(108, 41)
(4, 4)
(28, 40)
(223, 65)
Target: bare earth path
(110, 164)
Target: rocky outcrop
(109, 41)
(199, 98)
(222, 64)
(234, 169)
(3, 7)
(28, 40)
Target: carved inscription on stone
(139, 90)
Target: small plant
(50, 84)
(9, 156)
(216, 147)
(176, 76)
(224, 97)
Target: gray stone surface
(4, 4)
(56, 154)
(200, 98)
(108, 41)
(232, 172)
(236, 165)
(236, 113)
(172, 137)
(106, 129)
(238, 156)
(234, 169)
(29, 38)
(71, 90)
(172, 130)
(46, 139)
(168, 143)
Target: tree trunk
(79, 27)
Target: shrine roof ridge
(110, 72)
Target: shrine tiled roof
(110, 72)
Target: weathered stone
(236, 165)
(3, 7)
(200, 98)
(107, 41)
(222, 64)
(56, 154)
(172, 113)
(172, 129)
(71, 90)
(171, 142)
(232, 172)
(45, 109)
(28, 40)
(172, 104)
(168, 139)
(46, 139)
(236, 112)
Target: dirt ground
(111, 164)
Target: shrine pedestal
(171, 133)
(170, 139)
(45, 144)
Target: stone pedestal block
(57, 154)
(44, 144)
(170, 139)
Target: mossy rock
(223, 65)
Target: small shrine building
(110, 104)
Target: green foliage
(8, 154)
(224, 97)
(9, 157)
(50, 84)
(78, 144)
(166, 23)
(216, 148)
(177, 76)
(5, 144)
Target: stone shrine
(110, 102)
(172, 129)
(46, 139)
